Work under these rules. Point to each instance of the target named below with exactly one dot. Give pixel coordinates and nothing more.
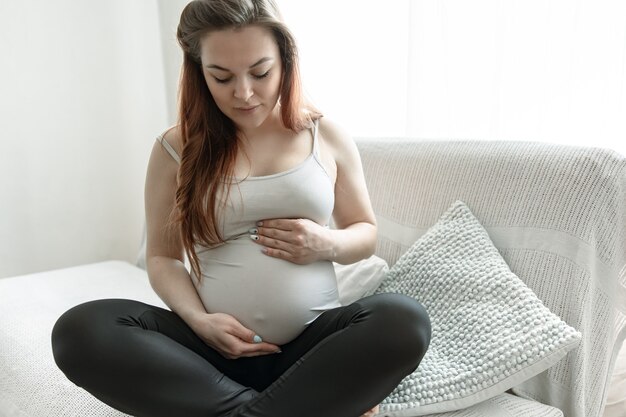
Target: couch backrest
(556, 213)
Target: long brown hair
(209, 138)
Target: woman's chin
(251, 120)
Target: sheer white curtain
(535, 70)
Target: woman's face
(243, 70)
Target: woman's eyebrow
(259, 62)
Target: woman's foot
(372, 412)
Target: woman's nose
(243, 90)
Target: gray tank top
(275, 298)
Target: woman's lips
(247, 109)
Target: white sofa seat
(30, 383)
(32, 386)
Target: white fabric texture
(31, 385)
(360, 279)
(556, 213)
(505, 405)
(489, 330)
(616, 400)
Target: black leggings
(145, 361)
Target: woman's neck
(272, 125)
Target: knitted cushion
(489, 330)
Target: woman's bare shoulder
(173, 137)
(332, 131)
(336, 138)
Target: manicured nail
(254, 237)
(253, 231)
(257, 339)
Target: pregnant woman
(244, 186)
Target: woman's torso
(275, 298)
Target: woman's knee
(69, 334)
(81, 332)
(403, 324)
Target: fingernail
(259, 223)
(278, 351)
(254, 231)
(254, 237)
(257, 339)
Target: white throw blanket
(558, 216)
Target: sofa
(556, 214)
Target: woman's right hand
(229, 337)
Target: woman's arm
(303, 241)
(164, 251)
(355, 235)
(169, 276)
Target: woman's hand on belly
(300, 241)
(229, 337)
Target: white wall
(81, 101)
(169, 14)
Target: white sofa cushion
(490, 332)
(505, 405)
(360, 279)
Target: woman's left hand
(300, 241)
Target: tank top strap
(168, 147)
(316, 146)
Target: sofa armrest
(556, 213)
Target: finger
(245, 355)
(277, 234)
(278, 253)
(243, 349)
(245, 334)
(275, 239)
(259, 349)
(232, 347)
(249, 340)
(253, 354)
(275, 244)
(281, 224)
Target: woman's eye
(225, 80)
(265, 74)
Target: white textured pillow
(490, 332)
(360, 279)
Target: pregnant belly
(275, 298)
